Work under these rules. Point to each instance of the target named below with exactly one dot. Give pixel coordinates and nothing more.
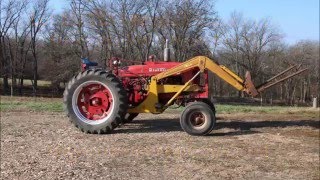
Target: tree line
(36, 43)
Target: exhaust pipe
(166, 54)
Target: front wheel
(95, 101)
(197, 119)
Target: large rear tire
(197, 119)
(95, 101)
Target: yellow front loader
(196, 119)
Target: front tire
(197, 119)
(95, 101)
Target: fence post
(315, 102)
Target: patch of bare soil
(242, 146)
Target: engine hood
(147, 69)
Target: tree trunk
(281, 92)
(304, 91)
(35, 76)
(11, 58)
(292, 99)
(21, 85)
(4, 68)
(5, 84)
(301, 99)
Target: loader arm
(150, 104)
(204, 63)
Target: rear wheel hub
(93, 101)
(96, 102)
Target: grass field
(248, 142)
(55, 105)
(31, 104)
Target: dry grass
(44, 145)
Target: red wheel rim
(93, 101)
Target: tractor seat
(88, 63)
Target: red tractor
(98, 100)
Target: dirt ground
(242, 146)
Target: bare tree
(138, 28)
(10, 12)
(22, 31)
(125, 19)
(185, 22)
(38, 17)
(78, 10)
(245, 43)
(306, 53)
(60, 51)
(100, 25)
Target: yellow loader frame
(203, 63)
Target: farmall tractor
(98, 100)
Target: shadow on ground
(239, 127)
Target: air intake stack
(166, 55)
